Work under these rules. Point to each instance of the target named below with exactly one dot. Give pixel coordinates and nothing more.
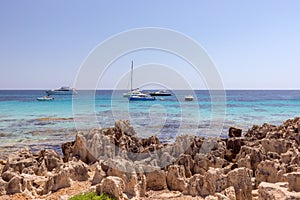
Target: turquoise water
(27, 122)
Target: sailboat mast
(131, 75)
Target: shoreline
(264, 163)
(69, 133)
(50, 121)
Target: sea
(26, 122)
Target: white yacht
(133, 92)
(62, 91)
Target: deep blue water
(27, 122)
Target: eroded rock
(14, 185)
(98, 176)
(3, 187)
(211, 168)
(19, 160)
(58, 181)
(275, 191)
(270, 171)
(213, 181)
(234, 132)
(156, 180)
(240, 179)
(294, 181)
(187, 162)
(194, 185)
(276, 145)
(176, 179)
(51, 159)
(255, 154)
(229, 193)
(77, 171)
(112, 185)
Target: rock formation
(263, 164)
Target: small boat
(62, 91)
(45, 98)
(141, 97)
(133, 92)
(189, 98)
(160, 93)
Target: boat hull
(53, 92)
(189, 99)
(155, 94)
(141, 99)
(44, 99)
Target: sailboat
(136, 94)
(132, 91)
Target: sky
(253, 44)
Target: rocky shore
(263, 164)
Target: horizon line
(159, 89)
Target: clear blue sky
(254, 44)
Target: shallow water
(27, 122)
